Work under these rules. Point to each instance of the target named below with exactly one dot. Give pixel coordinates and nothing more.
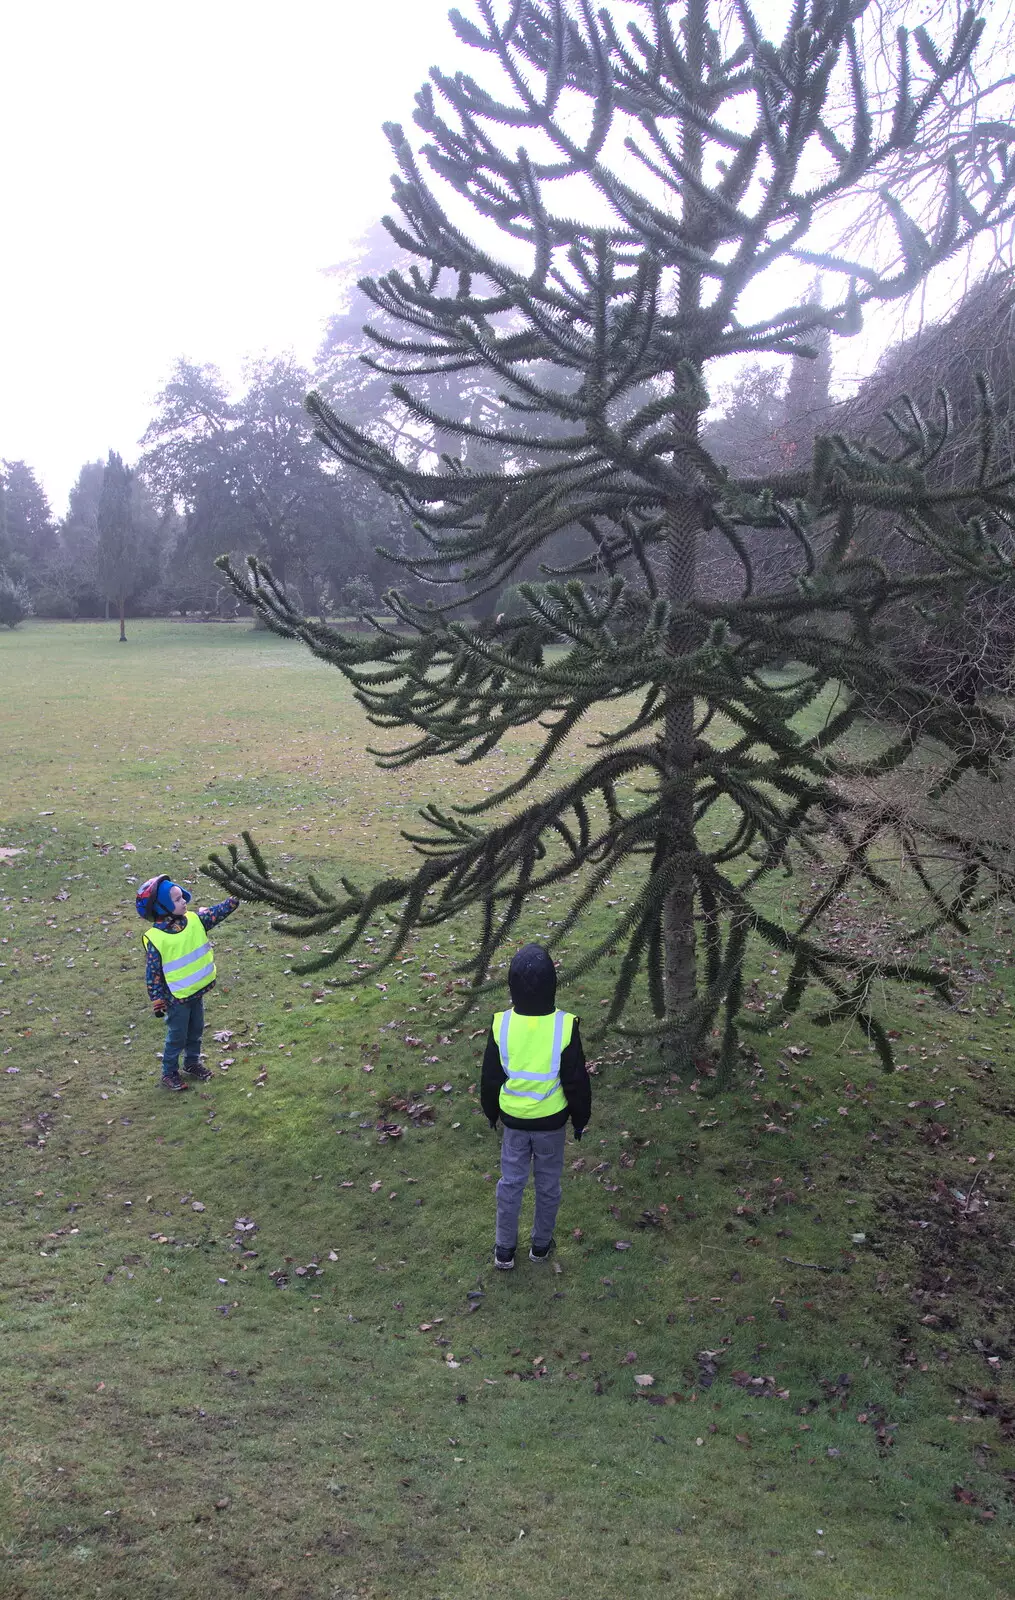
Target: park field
(253, 1345)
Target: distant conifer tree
(807, 403)
(117, 546)
(655, 188)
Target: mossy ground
(177, 1423)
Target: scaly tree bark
(598, 325)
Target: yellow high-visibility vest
(187, 961)
(530, 1050)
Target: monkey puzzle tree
(672, 175)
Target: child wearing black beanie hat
(534, 1081)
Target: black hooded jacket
(532, 980)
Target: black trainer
(197, 1071)
(504, 1260)
(539, 1252)
(173, 1082)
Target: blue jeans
(184, 1027)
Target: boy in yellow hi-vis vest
(180, 971)
(534, 1079)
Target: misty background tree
(119, 545)
(962, 642)
(245, 470)
(29, 548)
(15, 600)
(658, 176)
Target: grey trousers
(544, 1152)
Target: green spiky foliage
(650, 185)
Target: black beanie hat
(532, 980)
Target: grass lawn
(251, 1348)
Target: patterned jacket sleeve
(218, 913)
(155, 981)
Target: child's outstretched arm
(574, 1080)
(212, 915)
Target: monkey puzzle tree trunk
(679, 964)
(681, 552)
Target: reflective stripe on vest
(530, 1050)
(187, 961)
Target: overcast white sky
(175, 177)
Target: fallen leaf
(622, 1244)
(375, 1186)
(197, 1206)
(644, 1379)
(129, 847)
